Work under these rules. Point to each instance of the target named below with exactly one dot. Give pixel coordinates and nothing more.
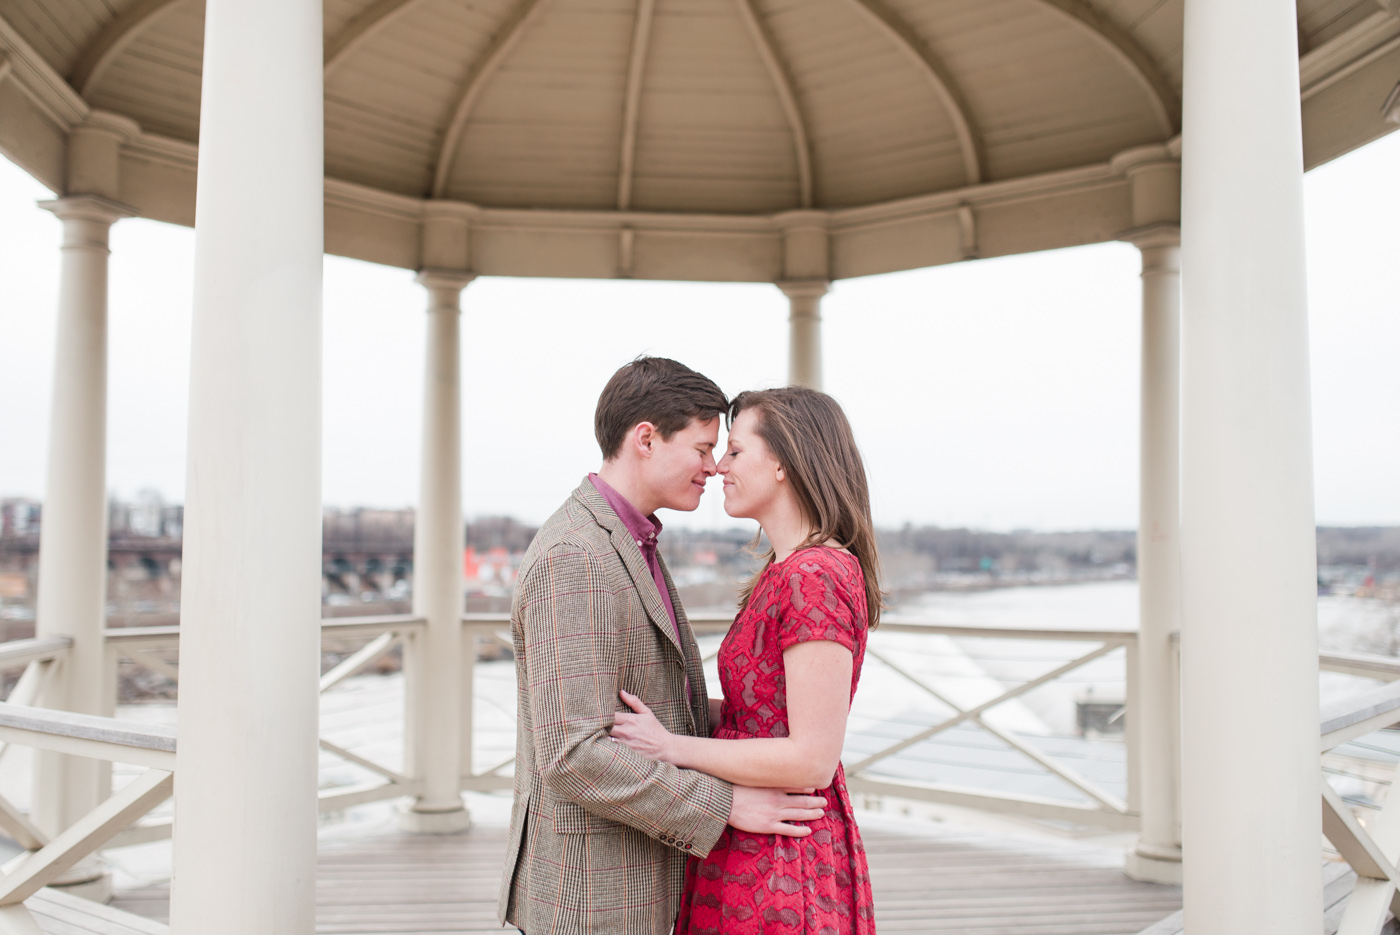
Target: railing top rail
(88, 727)
(711, 624)
(1011, 633)
(497, 620)
(1363, 664)
(140, 634)
(22, 652)
(373, 624)
(330, 626)
(1351, 717)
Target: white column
(73, 552)
(437, 671)
(245, 786)
(1157, 855)
(1250, 769)
(805, 324)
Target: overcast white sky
(998, 393)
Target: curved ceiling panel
(878, 128)
(155, 78)
(387, 94)
(1050, 95)
(547, 127)
(713, 106)
(712, 135)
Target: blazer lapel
(627, 549)
(690, 654)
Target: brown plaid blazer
(599, 834)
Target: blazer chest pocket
(570, 818)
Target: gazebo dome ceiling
(733, 106)
(675, 138)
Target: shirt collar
(644, 529)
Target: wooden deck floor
(927, 878)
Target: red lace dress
(767, 883)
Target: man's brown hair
(809, 435)
(664, 392)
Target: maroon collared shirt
(644, 530)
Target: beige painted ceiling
(723, 106)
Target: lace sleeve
(818, 598)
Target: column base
(1147, 863)
(435, 821)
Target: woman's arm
(818, 675)
(716, 705)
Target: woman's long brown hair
(810, 437)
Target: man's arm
(572, 660)
(573, 656)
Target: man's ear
(642, 436)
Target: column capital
(89, 208)
(804, 288)
(1162, 234)
(435, 278)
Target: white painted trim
(944, 84)
(38, 80)
(1344, 54)
(15, 653)
(1002, 803)
(27, 874)
(1353, 66)
(787, 96)
(46, 726)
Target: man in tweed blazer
(599, 834)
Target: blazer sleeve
(573, 655)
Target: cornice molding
(1334, 61)
(38, 80)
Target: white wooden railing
(154, 647)
(1371, 849)
(863, 773)
(1371, 846)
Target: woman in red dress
(789, 668)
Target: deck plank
(926, 878)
